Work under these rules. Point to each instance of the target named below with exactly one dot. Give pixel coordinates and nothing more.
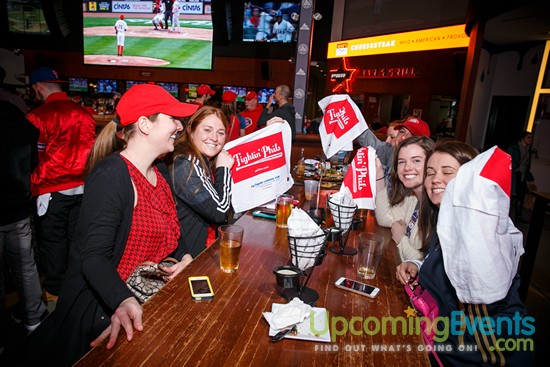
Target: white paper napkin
(300, 224)
(292, 313)
(344, 215)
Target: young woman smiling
(201, 171)
(435, 274)
(400, 212)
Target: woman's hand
(224, 159)
(176, 268)
(406, 271)
(398, 230)
(274, 120)
(128, 315)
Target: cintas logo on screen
(257, 156)
(118, 6)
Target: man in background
(18, 155)
(282, 109)
(204, 93)
(67, 133)
(252, 111)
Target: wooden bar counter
(230, 329)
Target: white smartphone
(201, 289)
(357, 287)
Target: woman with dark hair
(489, 313)
(128, 216)
(235, 123)
(400, 212)
(201, 172)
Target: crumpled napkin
(342, 208)
(292, 313)
(42, 203)
(300, 224)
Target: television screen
(172, 88)
(26, 17)
(192, 91)
(240, 91)
(105, 86)
(271, 21)
(131, 83)
(78, 84)
(144, 36)
(264, 93)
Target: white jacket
(481, 247)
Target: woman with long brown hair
(400, 211)
(201, 172)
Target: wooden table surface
(230, 329)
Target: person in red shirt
(67, 133)
(236, 123)
(252, 112)
(204, 93)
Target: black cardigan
(92, 289)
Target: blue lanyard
(411, 224)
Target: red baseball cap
(148, 99)
(251, 95)
(229, 97)
(205, 89)
(416, 126)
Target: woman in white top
(400, 211)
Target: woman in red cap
(236, 122)
(128, 216)
(201, 170)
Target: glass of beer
(370, 251)
(282, 211)
(231, 239)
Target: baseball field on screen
(145, 46)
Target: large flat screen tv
(146, 43)
(269, 21)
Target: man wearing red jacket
(67, 133)
(252, 112)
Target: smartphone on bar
(201, 289)
(357, 287)
(263, 214)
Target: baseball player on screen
(157, 20)
(120, 28)
(282, 29)
(176, 8)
